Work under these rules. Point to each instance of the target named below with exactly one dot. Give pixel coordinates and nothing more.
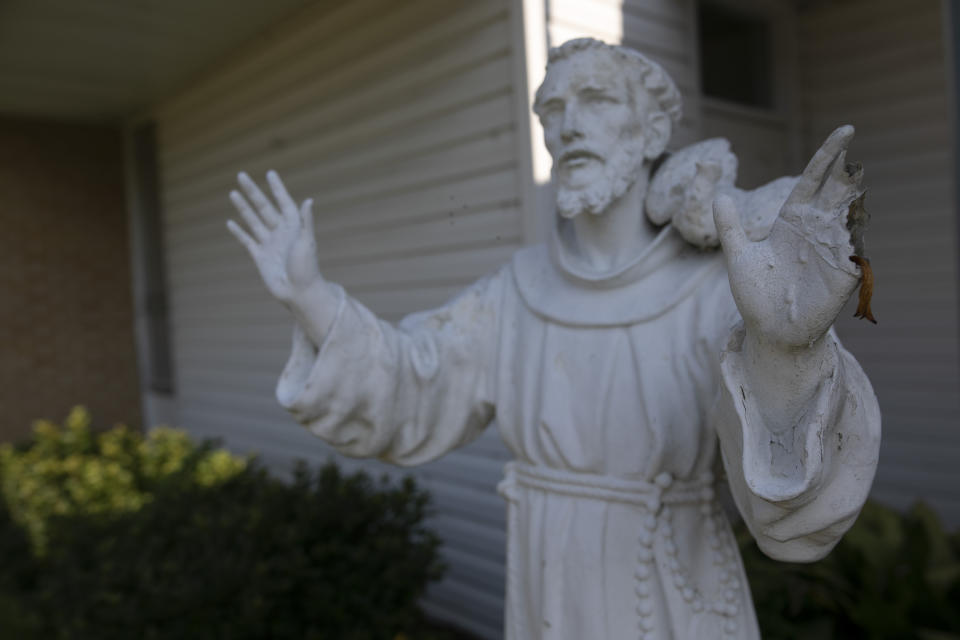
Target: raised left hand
(791, 285)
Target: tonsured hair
(644, 73)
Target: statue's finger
(841, 187)
(727, 218)
(249, 216)
(306, 216)
(267, 211)
(822, 161)
(287, 205)
(243, 237)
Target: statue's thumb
(727, 219)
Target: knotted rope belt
(651, 495)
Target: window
(736, 56)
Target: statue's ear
(657, 132)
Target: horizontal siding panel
(912, 23)
(850, 94)
(450, 267)
(667, 12)
(471, 471)
(340, 129)
(481, 150)
(872, 64)
(898, 110)
(452, 602)
(473, 190)
(483, 573)
(455, 228)
(391, 304)
(338, 65)
(913, 137)
(474, 535)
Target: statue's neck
(619, 234)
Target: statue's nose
(571, 129)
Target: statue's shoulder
(710, 161)
(685, 184)
(532, 256)
(531, 269)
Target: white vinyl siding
(880, 65)
(398, 119)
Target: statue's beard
(619, 173)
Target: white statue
(614, 359)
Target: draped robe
(612, 392)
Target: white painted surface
(880, 65)
(398, 119)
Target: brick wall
(66, 328)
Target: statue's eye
(599, 97)
(551, 109)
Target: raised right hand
(280, 239)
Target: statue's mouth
(574, 158)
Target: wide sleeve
(405, 394)
(800, 488)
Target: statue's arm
(799, 483)
(407, 393)
(798, 421)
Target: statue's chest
(606, 398)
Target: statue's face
(593, 131)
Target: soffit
(96, 60)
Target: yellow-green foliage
(73, 469)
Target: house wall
(65, 308)
(399, 120)
(880, 65)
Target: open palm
(280, 239)
(790, 286)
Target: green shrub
(157, 538)
(891, 577)
(72, 470)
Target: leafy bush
(72, 470)
(891, 577)
(155, 538)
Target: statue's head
(607, 111)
